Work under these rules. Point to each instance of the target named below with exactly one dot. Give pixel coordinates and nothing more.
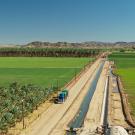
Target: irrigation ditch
(124, 103)
(105, 122)
(77, 121)
(125, 107)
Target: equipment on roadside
(62, 96)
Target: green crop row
(42, 71)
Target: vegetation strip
(42, 71)
(48, 52)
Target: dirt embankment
(125, 106)
(124, 100)
(116, 115)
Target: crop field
(125, 68)
(39, 71)
(28, 82)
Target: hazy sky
(23, 21)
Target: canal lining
(78, 120)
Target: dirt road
(116, 116)
(50, 118)
(72, 111)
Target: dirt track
(63, 124)
(116, 116)
(50, 118)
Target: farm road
(116, 115)
(62, 125)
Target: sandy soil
(116, 116)
(93, 117)
(50, 118)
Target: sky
(23, 21)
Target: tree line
(48, 52)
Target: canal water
(78, 120)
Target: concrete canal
(78, 120)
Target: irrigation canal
(105, 121)
(78, 120)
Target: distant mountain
(89, 44)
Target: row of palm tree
(49, 52)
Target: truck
(61, 97)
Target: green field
(36, 78)
(125, 68)
(41, 71)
